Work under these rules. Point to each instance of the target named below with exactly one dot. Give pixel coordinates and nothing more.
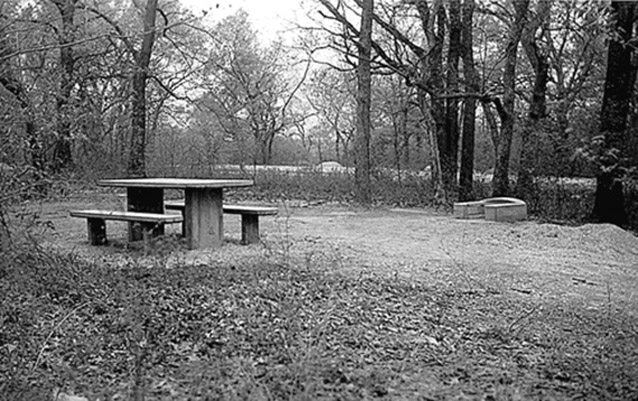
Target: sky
(269, 17)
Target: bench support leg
(249, 229)
(97, 231)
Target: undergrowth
(263, 330)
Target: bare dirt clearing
(590, 262)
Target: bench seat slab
(230, 209)
(252, 210)
(148, 224)
(128, 216)
(249, 218)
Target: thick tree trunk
(609, 202)
(137, 162)
(450, 143)
(466, 175)
(444, 168)
(62, 152)
(364, 89)
(537, 107)
(445, 145)
(537, 112)
(500, 184)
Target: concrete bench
(249, 217)
(152, 224)
(494, 209)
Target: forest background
(466, 99)
(407, 103)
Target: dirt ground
(595, 266)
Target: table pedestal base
(203, 223)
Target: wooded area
(524, 92)
(351, 137)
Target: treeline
(526, 89)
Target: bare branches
(407, 71)
(122, 36)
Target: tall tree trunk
(466, 175)
(437, 104)
(537, 107)
(364, 89)
(609, 205)
(500, 184)
(433, 23)
(450, 141)
(532, 125)
(137, 162)
(62, 152)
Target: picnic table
(203, 212)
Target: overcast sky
(267, 16)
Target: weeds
(282, 246)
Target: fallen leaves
(261, 330)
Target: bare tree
(449, 137)
(331, 94)
(137, 163)
(364, 96)
(500, 184)
(422, 62)
(539, 59)
(472, 85)
(62, 153)
(247, 87)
